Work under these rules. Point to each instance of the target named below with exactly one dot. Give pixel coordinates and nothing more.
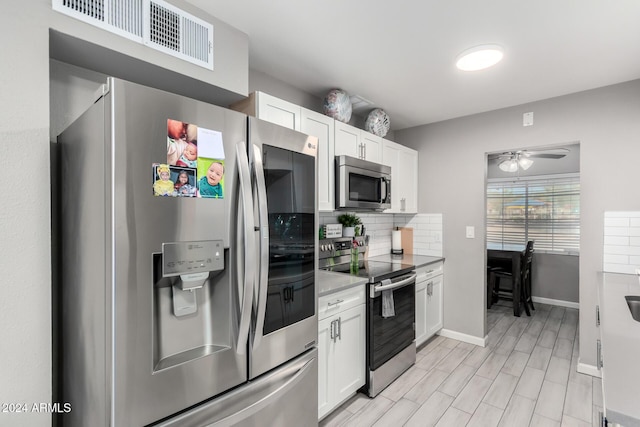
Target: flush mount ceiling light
(479, 57)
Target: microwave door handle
(261, 283)
(384, 182)
(244, 265)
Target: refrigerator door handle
(244, 266)
(265, 401)
(263, 241)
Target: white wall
(25, 220)
(605, 123)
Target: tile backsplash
(427, 231)
(621, 252)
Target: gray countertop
(329, 281)
(620, 336)
(417, 260)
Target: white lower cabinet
(429, 284)
(341, 347)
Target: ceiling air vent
(180, 34)
(123, 17)
(360, 105)
(155, 23)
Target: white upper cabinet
(354, 142)
(347, 140)
(404, 176)
(271, 109)
(322, 127)
(372, 146)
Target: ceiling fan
(511, 161)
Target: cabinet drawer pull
(335, 303)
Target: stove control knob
(322, 248)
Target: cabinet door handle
(597, 315)
(430, 288)
(331, 329)
(340, 328)
(599, 356)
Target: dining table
(501, 254)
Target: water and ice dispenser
(192, 300)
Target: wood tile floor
(526, 376)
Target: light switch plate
(471, 232)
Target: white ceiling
(401, 55)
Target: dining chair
(501, 289)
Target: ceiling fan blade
(552, 153)
(495, 156)
(546, 156)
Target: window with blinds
(543, 209)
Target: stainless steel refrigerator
(188, 265)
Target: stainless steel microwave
(362, 185)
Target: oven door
(388, 336)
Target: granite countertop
(417, 260)
(330, 282)
(620, 335)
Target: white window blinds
(546, 210)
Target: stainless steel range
(391, 347)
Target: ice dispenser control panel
(192, 257)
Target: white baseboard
(482, 342)
(583, 368)
(557, 302)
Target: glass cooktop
(375, 271)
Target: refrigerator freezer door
(286, 396)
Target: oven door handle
(399, 284)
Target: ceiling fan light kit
(509, 165)
(514, 160)
(517, 161)
(524, 162)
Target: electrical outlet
(527, 119)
